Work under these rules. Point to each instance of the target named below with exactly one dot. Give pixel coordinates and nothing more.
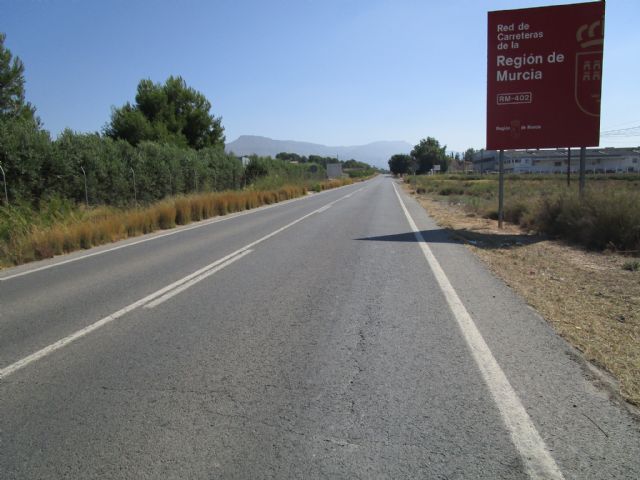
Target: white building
(598, 160)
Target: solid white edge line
(23, 362)
(174, 231)
(191, 283)
(524, 435)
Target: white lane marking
(532, 448)
(103, 321)
(191, 283)
(175, 231)
(204, 223)
(325, 208)
(9, 369)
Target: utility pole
(86, 190)
(135, 192)
(4, 182)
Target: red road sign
(544, 76)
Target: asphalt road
(319, 338)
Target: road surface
(342, 335)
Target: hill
(375, 153)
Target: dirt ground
(587, 297)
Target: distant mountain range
(376, 153)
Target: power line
(623, 124)
(622, 132)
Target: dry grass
(591, 299)
(333, 183)
(83, 229)
(607, 217)
(102, 225)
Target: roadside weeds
(25, 237)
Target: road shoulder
(569, 406)
(587, 297)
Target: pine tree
(12, 98)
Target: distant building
(334, 170)
(598, 160)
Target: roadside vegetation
(575, 261)
(159, 162)
(607, 217)
(352, 168)
(61, 226)
(424, 157)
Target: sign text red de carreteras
(544, 76)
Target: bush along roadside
(606, 217)
(59, 227)
(591, 299)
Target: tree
(12, 99)
(468, 154)
(323, 161)
(291, 157)
(400, 163)
(428, 153)
(355, 164)
(256, 168)
(172, 113)
(24, 150)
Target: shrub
(166, 215)
(222, 204)
(58, 227)
(599, 220)
(606, 217)
(514, 212)
(85, 235)
(451, 191)
(71, 241)
(44, 245)
(183, 211)
(197, 208)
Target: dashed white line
(108, 319)
(532, 448)
(197, 279)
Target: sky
(336, 72)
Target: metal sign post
(569, 167)
(583, 166)
(501, 189)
